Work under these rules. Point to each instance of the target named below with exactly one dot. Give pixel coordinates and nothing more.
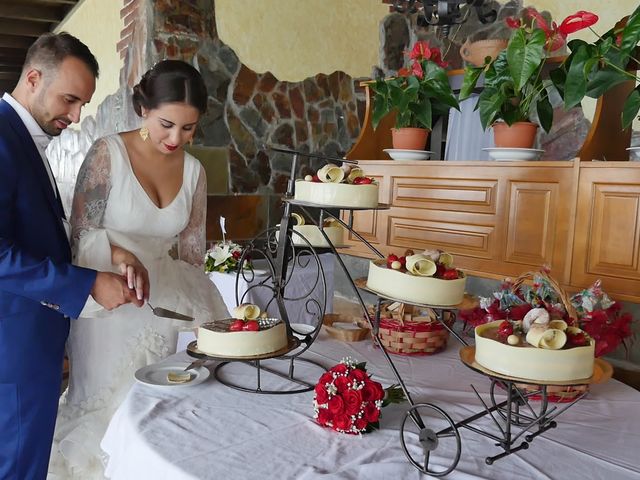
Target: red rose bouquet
(348, 401)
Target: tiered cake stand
(423, 420)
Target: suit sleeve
(63, 285)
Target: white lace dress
(106, 348)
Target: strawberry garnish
(251, 326)
(450, 274)
(236, 326)
(505, 329)
(577, 339)
(390, 259)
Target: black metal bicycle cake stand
(514, 418)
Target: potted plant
(593, 68)
(514, 88)
(416, 95)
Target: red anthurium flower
(577, 21)
(404, 72)
(513, 22)
(421, 51)
(416, 68)
(436, 57)
(555, 37)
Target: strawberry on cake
(427, 278)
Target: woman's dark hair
(170, 81)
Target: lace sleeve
(191, 244)
(92, 191)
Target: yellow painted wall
(97, 24)
(296, 39)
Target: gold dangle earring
(191, 142)
(144, 133)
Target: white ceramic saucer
(399, 154)
(513, 154)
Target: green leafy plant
(593, 68)
(416, 94)
(514, 87)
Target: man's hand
(111, 290)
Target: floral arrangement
(224, 257)
(513, 85)
(593, 68)
(348, 401)
(417, 92)
(599, 316)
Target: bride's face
(171, 125)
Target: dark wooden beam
(11, 76)
(53, 2)
(23, 28)
(9, 68)
(10, 41)
(36, 13)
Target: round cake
(401, 284)
(314, 236)
(215, 338)
(527, 362)
(337, 194)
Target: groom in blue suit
(39, 288)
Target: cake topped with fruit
(339, 186)
(427, 278)
(249, 333)
(536, 348)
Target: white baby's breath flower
(332, 389)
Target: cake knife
(163, 312)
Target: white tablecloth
(302, 282)
(210, 431)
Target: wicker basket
(557, 394)
(406, 331)
(342, 334)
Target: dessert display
(344, 186)
(313, 235)
(535, 348)
(247, 334)
(427, 278)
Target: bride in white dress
(139, 206)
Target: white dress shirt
(40, 138)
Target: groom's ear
(33, 78)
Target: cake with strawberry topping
(345, 186)
(536, 348)
(303, 233)
(248, 334)
(427, 278)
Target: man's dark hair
(50, 49)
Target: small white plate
(634, 152)
(514, 154)
(156, 375)
(408, 154)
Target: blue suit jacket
(39, 290)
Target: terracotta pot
(409, 138)
(518, 135)
(475, 53)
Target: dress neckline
(137, 182)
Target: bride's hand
(134, 271)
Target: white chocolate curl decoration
(535, 315)
(421, 265)
(246, 311)
(298, 218)
(432, 254)
(355, 173)
(541, 336)
(331, 173)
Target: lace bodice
(133, 221)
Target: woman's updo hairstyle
(170, 81)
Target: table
(209, 431)
(302, 281)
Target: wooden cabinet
(582, 219)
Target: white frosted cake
(424, 282)
(314, 236)
(337, 194)
(215, 338)
(525, 361)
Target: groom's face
(60, 95)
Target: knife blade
(165, 313)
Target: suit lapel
(32, 155)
